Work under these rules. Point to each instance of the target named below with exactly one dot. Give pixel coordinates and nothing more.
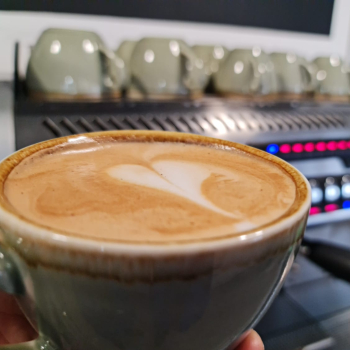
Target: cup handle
(195, 79)
(10, 283)
(347, 71)
(117, 68)
(255, 83)
(311, 78)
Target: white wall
(25, 27)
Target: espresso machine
(313, 137)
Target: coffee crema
(148, 192)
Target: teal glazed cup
(246, 73)
(294, 75)
(84, 294)
(211, 56)
(162, 68)
(124, 52)
(70, 64)
(333, 80)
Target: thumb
(252, 341)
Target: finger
(14, 327)
(8, 304)
(251, 342)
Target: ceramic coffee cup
(125, 51)
(294, 75)
(73, 64)
(165, 68)
(332, 79)
(246, 73)
(88, 294)
(211, 56)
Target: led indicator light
(342, 145)
(297, 148)
(316, 195)
(320, 146)
(346, 204)
(331, 207)
(345, 190)
(309, 147)
(286, 148)
(315, 210)
(332, 193)
(332, 146)
(272, 148)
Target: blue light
(272, 148)
(346, 204)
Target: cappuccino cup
(332, 77)
(124, 51)
(146, 240)
(295, 78)
(70, 64)
(246, 73)
(164, 68)
(211, 56)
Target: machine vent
(199, 123)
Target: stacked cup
(72, 64)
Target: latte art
(179, 178)
(155, 192)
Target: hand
(14, 327)
(252, 341)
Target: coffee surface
(155, 192)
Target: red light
(331, 207)
(315, 210)
(342, 145)
(321, 146)
(285, 148)
(297, 148)
(348, 144)
(332, 146)
(309, 147)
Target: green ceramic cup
(211, 56)
(246, 72)
(294, 74)
(87, 294)
(165, 68)
(332, 79)
(125, 51)
(73, 64)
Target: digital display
(292, 15)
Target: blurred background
(272, 74)
(310, 28)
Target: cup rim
(19, 225)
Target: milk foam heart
(179, 178)
(157, 192)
